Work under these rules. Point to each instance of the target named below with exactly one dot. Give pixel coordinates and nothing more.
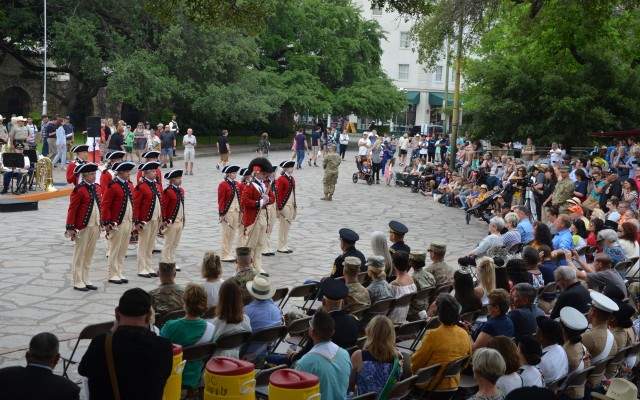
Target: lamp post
(44, 92)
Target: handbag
(384, 393)
(111, 366)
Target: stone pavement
(35, 277)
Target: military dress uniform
(173, 215)
(563, 191)
(228, 211)
(240, 186)
(272, 216)
(350, 237)
(148, 212)
(286, 201)
(254, 218)
(577, 353)
(117, 212)
(84, 217)
(151, 156)
(106, 176)
(72, 176)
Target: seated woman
(513, 235)
(374, 365)
(211, 271)
(494, 239)
(498, 324)
(488, 367)
(530, 356)
(464, 293)
(431, 351)
(511, 379)
(230, 317)
(402, 285)
(379, 288)
(191, 330)
(628, 239)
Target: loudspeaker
(93, 126)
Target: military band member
(254, 201)
(228, 210)
(148, 216)
(287, 207)
(151, 156)
(397, 231)
(244, 176)
(108, 174)
(117, 218)
(82, 153)
(172, 215)
(272, 213)
(83, 224)
(20, 174)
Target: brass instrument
(44, 174)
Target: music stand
(33, 159)
(13, 161)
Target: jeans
(61, 156)
(343, 150)
(45, 148)
(376, 170)
(299, 157)
(6, 178)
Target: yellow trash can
(294, 385)
(173, 387)
(230, 379)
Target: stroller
(483, 209)
(364, 170)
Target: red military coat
(158, 178)
(250, 203)
(227, 194)
(71, 177)
(81, 205)
(106, 177)
(172, 200)
(146, 197)
(113, 201)
(285, 186)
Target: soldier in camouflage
(441, 271)
(358, 295)
(244, 270)
(379, 289)
(422, 279)
(563, 191)
(168, 296)
(330, 164)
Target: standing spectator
(620, 163)
(51, 136)
(189, 142)
(547, 191)
(129, 137)
(43, 134)
(139, 141)
(224, 149)
(37, 380)
(387, 154)
(116, 141)
(264, 145)
(528, 150)
(32, 129)
(61, 146)
(554, 364)
(403, 144)
(563, 191)
(344, 143)
(363, 146)
(555, 154)
(315, 146)
(173, 126)
(300, 145)
(488, 367)
(376, 158)
(153, 143)
(211, 270)
(168, 146)
(612, 188)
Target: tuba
(44, 174)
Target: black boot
(5, 190)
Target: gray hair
(527, 291)
(497, 223)
(488, 364)
(379, 247)
(44, 346)
(511, 219)
(566, 272)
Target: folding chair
(451, 371)
(623, 266)
(598, 369)
(555, 385)
(615, 361)
(168, 317)
(410, 328)
(400, 302)
(298, 332)
(412, 344)
(199, 352)
(427, 374)
(402, 388)
(262, 381)
(301, 291)
(633, 350)
(232, 340)
(424, 293)
(468, 385)
(547, 289)
(280, 294)
(352, 350)
(515, 248)
(380, 307)
(577, 379)
(470, 316)
(87, 333)
(583, 250)
(210, 313)
(591, 250)
(359, 313)
(362, 277)
(439, 290)
(361, 341)
(265, 336)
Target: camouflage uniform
(242, 277)
(358, 297)
(422, 279)
(442, 272)
(167, 298)
(563, 192)
(330, 164)
(379, 290)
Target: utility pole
(44, 92)
(456, 97)
(445, 102)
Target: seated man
(37, 380)
(262, 312)
(422, 279)
(599, 274)
(358, 296)
(19, 174)
(525, 313)
(573, 293)
(168, 296)
(439, 269)
(326, 360)
(244, 270)
(142, 359)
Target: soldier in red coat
(228, 210)
(287, 207)
(83, 224)
(117, 218)
(272, 213)
(82, 153)
(108, 174)
(172, 215)
(147, 217)
(151, 156)
(254, 201)
(245, 180)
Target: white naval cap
(602, 302)
(573, 319)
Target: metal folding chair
(87, 333)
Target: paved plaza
(36, 292)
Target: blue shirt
(526, 230)
(263, 314)
(332, 365)
(563, 240)
(497, 326)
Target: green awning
(437, 98)
(413, 97)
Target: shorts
(224, 157)
(403, 152)
(167, 151)
(189, 154)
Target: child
(390, 170)
(366, 167)
(484, 193)
(211, 271)
(473, 196)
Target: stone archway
(15, 100)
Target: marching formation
(105, 199)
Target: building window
(405, 42)
(453, 75)
(376, 11)
(403, 72)
(438, 74)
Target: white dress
(213, 290)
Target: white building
(425, 90)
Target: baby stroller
(483, 209)
(364, 170)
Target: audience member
(139, 355)
(422, 279)
(530, 357)
(379, 288)
(608, 240)
(169, 296)
(573, 293)
(358, 295)
(262, 312)
(513, 234)
(488, 367)
(497, 324)
(326, 360)
(348, 239)
(600, 274)
(230, 317)
(441, 271)
(628, 240)
(525, 313)
(211, 270)
(379, 247)
(464, 293)
(542, 235)
(401, 286)
(511, 379)
(494, 239)
(37, 380)
(524, 225)
(244, 270)
(531, 256)
(554, 363)
(574, 324)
